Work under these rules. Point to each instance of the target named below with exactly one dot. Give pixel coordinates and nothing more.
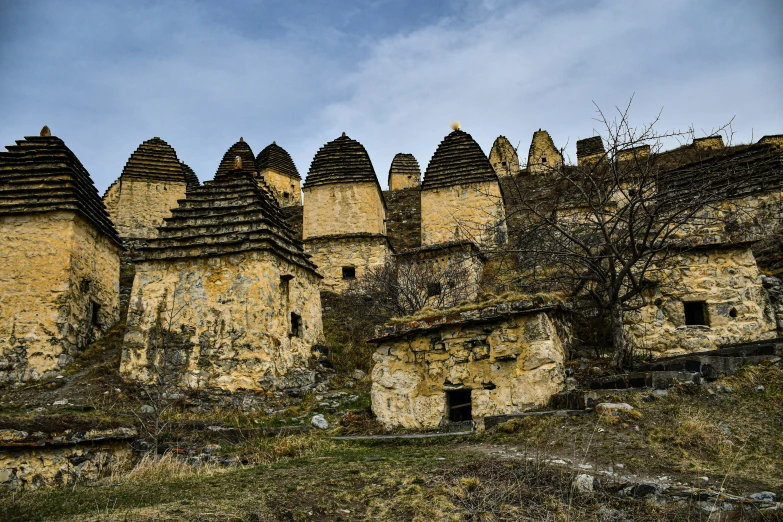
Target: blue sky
(107, 75)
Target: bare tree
(600, 229)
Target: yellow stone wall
(281, 185)
(472, 212)
(458, 271)
(53, 266)
(138, 208)
(510, 365)
(543, 155)
(231, 322)
(504, 159)
(343, 208)
(727, 279)
(398, 181)
(332, 254)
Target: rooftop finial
(45, 131)
(237, 162)
(274, 143)
(343, 134)
(241, 138)
(455, 125)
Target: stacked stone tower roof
(458, 160)
(406, 167)
(229, 215)
(276, 158)
(156, 160)
(341, 161)
(41, 174)
(589, 146)
(239, 149)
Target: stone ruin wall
(282, 184)
(458, 271)
(232, 323)
(138, 208)
(503, 158)
(727, 280)
(472, 212)
(341, 208)
(510, 365)
(543, 155)
(54, 266)
(331, 254)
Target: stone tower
(59, 259)
(277, 169)
(503, 158)
(460, 196)
(344, 222)
(404, 172)
(589, 151)
(543, 154)
(150, 185)
(243, 293)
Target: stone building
(344, 221)
(464, 365)
(503, 158)
(404, 172)
(705, 297)
(275, 166)
(543, 155)
(150, 185)
(461, 198)
(59, 259)
(224, 297)
(589, 151)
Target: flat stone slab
(493, 420)
(405, 436)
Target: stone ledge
(10, 438)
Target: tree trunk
(620, 357)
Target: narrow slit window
(460, 405)
(296, 325)
(696, 313)
(349, 272)
(95, 313)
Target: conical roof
(190, 177)
(229, 215)
(41, 174)
(275, 157)
(341, 161)
(239, 149)
(404, 165)
(458, 160)
(154, 160)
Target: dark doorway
(296, 325)
(460, 407)
(696, 313)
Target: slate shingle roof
(405, 165)
(232, 214)
(341, 161)
(277, 158)
(241, 149)
(458, 160)
(41, 174)
(154, 160)
(190, 177)
(589, 146)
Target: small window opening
(733, 313)
(296, 325)
(452, 284)
(504, 163)
(459, 405)
(543, 159)
(286, 195)
(285, 285)
(632, 192)
(696, 313)
(95, 313)
(349, 272)
(433, 289)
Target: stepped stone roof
(156, 160)
(234, 213)
(41, 174)
(405, 165)
(341, 161)
(276, 158)
(190, 177)
(589, 146)
(458, 160)
(239, 149)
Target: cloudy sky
(107, 75)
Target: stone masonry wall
(53, 268)
(331, 254)
(231, 323)
(282, 185)
(727, 280)
(473, 212)
(543, 155)
(138, 208)
(343, 208)
(509, 365)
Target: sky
(107, 75)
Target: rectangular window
(459, 405)
(433, 289)
(285, 285)
(286, 195)
(296, 325)
(95, 313)
(696, 313)
(349, 272)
